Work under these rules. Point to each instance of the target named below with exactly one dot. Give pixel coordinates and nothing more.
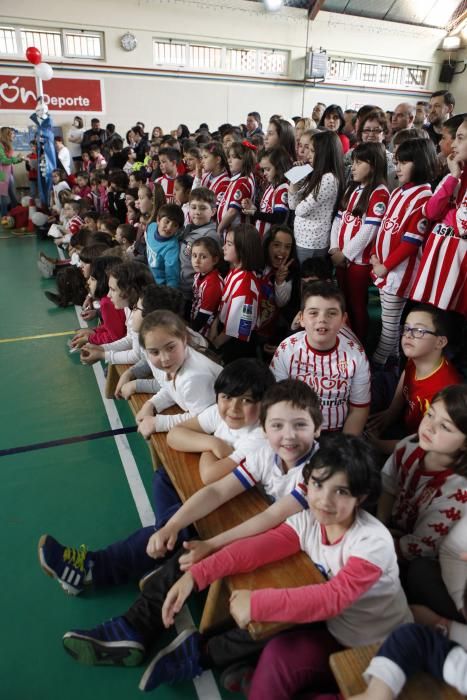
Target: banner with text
(18, 94)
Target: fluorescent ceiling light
(273, 5)
(451, 43)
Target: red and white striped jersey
(168, 185)
(427, 504)
(239, 187)
(207, 295)
(273, 199)
(239, 306)
(216, 183)
(442, 275)
(340, 376)
(355, 235)
(403, 223)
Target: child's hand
(162, 541)
(374, 260)
(146, 411)
(127, 390)
(219, 448)
(147, 427)
(88, 314)
(248, 207)
(199, 171)
(282, 272)
(196, 550)
(91, 354)
(338, 258)
(380, 270)
(240, 607)
(454, 164)
(81, 338)
(176, 597)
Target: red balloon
(33, 55)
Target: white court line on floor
(205, 685)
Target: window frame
(62, 33)
(224, 68)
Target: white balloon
(39, 219)
(44, 71)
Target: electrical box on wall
(447, 72)
(316, 65)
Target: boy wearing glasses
(423, 339)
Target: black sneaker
(179, 661)
(70, 566)
(114, 643)
(55, 298)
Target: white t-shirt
(384, 606)
(340, 376)
(264, 467)
(244, 440)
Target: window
(8, 41)
(344, 70)
(52, 43)
(48, 43)
(205, 57)
(169, 54)
(83, 44)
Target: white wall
(134, 91)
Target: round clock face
(128, 42)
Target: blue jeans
(126, 560)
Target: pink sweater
(113, 326)
(304, 604)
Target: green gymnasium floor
(79, 493)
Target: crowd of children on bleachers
(205, 264)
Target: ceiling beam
(314, 7)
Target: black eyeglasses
(372, 131)
(416, 332)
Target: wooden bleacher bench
(182, 467)
(349, 665)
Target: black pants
(424, 585)
(145, 617)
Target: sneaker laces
(76, 557)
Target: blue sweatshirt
(163, 256)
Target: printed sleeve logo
(238, 195)
(379, 208)
(422, 226)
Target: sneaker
(55, 298)
(43, 256)
(144, 579)
(46, 268)
(68, 565)
(114, 643)
(179, 661)
(237, 678)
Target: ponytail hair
(328, 158)
(215, 148)
(375, 155)
(247, 156)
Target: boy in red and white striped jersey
(335, 366)
(169, 158)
